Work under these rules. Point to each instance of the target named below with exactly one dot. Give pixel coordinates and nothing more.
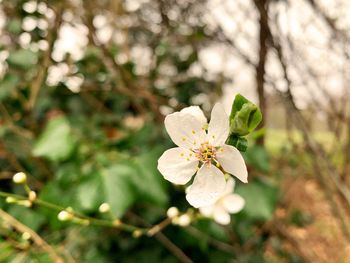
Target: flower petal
(230, 185)
(177, 165)
(233, 203)
(207, 187)
(196, 112)
(221, 216)
(219, 126)
(184, 129)
(207, 210)
(232, 161)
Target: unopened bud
(25, 203)
(117, 222)
(32, 196)
(81, 221)
(172, 212)
(26, 236)
(11, 200)
(184, 220)
(64, 216)
(104, 208)
(137, 233)
(19, 178)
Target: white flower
(202, 149)
(227, 204)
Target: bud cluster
(183, 220)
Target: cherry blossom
(202, 151)
(227, 204)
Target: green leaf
(68, 174)
(118, 186)
(152, 187)
(134, 180)
(7, 86)
(245, 116)
(23, 58)
(54, 193)
(56, 142)
(90, 193)
(260, 198)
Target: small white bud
(172, 212)
(64, 216)
(137, 233)
(26, 236)
(32, 196)
(25, 203)
(184, 220)
(19, 178)
(104, 208)
(11, 200)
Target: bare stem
(89, 220)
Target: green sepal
(239, 142)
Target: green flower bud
(245, 116)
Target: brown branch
(166, 242)
(321, 163)
(11, 124)
(331, 22)
(172, 247)
(46, 60)
(34, 236)
(212, 241)
(262, 6)
(126, 85)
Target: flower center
(206, 153)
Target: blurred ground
(322, 239)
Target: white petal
(207, 187)
(230, 186)
(221, 216)
(232, 161)
(207, 210)
(233, 203)
(219, 126)
(196, 112)
(177, 165)
(185, 130)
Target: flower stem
(90, 220)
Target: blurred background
(85, 86)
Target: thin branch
(262, 6)
(173, 248)
(34, 236)
(212, 241)
(178, 253)
(46, 60)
